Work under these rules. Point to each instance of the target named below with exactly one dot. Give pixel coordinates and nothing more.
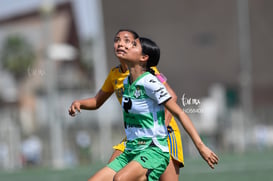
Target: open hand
(209, 156)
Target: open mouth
(121, 51)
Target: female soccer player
(123, 43)
(146, 154)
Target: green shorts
(151, 158)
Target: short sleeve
(156, 90)
(107, 86)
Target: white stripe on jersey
(134, 133)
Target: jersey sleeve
(156, 90)
(107, 86)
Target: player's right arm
(89, 103)
(94, 102)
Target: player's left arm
(208, 155)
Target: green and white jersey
(144, 116)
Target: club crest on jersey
(137, 92)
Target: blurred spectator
(32, 151)
(84, 143)
(4, 155)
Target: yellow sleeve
(159, 75)
(156, 70)
(107, 86)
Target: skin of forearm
(89, 104)
(190, 129)
(209, 156)
(186, 122)
(94, 102)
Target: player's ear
(144, 58)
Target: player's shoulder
(115, 71)
(149, 80)
(115, 68)
(151, 84)
(150, 77)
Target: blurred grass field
(254, 166)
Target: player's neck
(123, 67)
(135, 72)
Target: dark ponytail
(151, 49)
